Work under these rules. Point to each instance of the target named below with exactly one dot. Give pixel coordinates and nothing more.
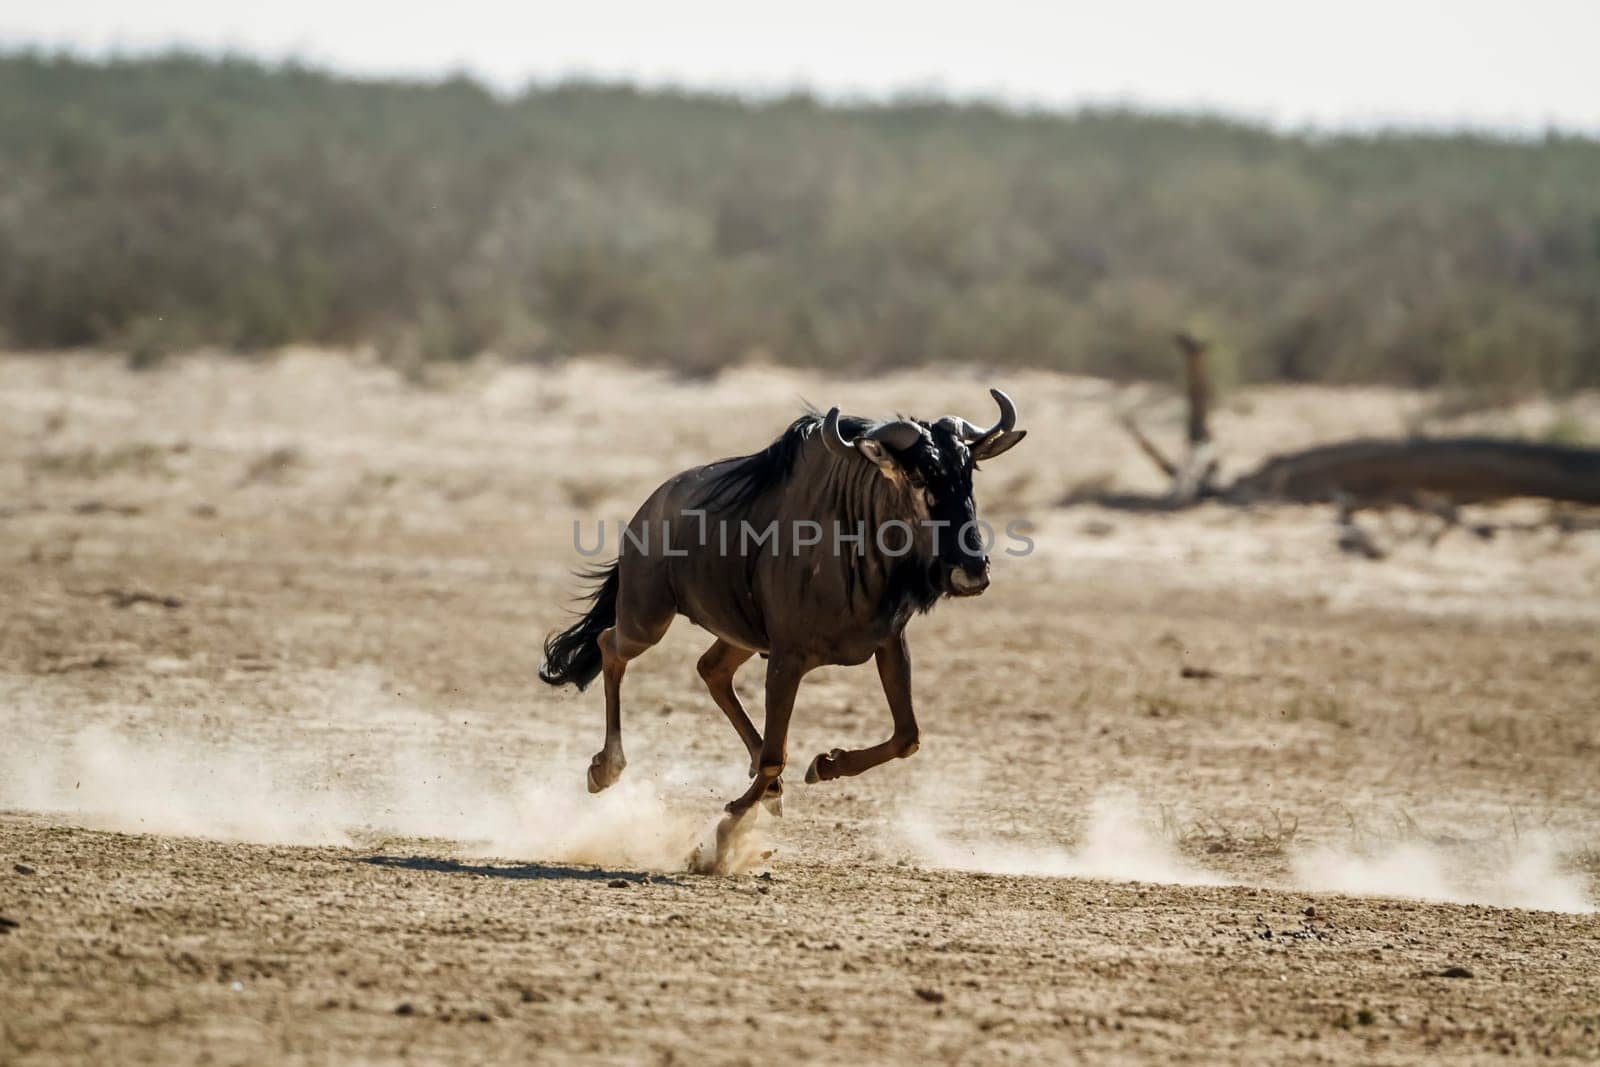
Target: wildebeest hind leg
(717, 667)
(894, 671)
(618, 645)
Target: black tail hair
(572, 657)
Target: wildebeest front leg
(894, 671)
(783, 679)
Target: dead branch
(1192, 478)
(1148, 447)
(1197, 384)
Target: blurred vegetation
(168, 202)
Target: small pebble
(619, 883)
(22, 868)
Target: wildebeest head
(931, 464)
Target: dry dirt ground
(277, 781)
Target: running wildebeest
(815, 551)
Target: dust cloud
(1525, 872)
(105, 778)
(112, 781)
(661, 819)
(1120, 842)
(1117, 844)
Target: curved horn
(1008, 421)
(832, 437)
(1008, 415)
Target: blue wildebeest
(815, 551)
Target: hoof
(725, 853)
(772, 799)
(733, 845)
(604, 771)
(821, 769)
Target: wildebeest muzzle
(964, 579)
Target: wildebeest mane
(748, 477)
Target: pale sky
(1521, 65)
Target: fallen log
(1421, 472)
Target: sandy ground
(277, 782)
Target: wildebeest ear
(997, 445)
(879, 455)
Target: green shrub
(157, 203)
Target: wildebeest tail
(572, 656)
